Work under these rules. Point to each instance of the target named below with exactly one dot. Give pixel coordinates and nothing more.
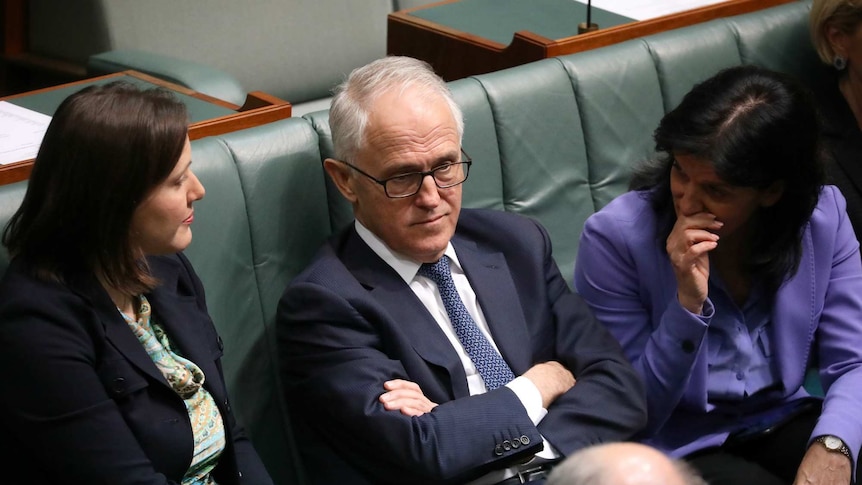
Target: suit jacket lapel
(492, 282)
(411, 316)
(183, 321)
(117, 330)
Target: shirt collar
(404, 266)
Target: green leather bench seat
(554, 140)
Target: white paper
(21, 132)
(648, 9)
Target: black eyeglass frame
(466, 161)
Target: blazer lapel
(117, 331)
(183, 321)
(793, 301)
(408, 313)
(492, 282)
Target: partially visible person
(430, 344)
(623, 464)
(111, 367)
(837, 36)
(726, 273)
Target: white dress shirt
(428, 293)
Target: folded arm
(337, 360)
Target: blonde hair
(845, 15)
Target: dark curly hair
(756, 127)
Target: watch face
(832, 443)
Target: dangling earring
(839, 62)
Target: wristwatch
(834, 444)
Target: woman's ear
(837, 39)
(772, 194)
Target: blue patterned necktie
(490, 364)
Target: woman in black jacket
(110, 367)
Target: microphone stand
(588, 26)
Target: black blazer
(349, 322)
(84, 403)
(843, 141)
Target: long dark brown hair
(105, 150)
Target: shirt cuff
(530, 398)
(706, 312)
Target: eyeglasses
(408, 184)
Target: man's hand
(407, 397)
(551, 379)
(688, 247)
(823, 467)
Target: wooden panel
(455, 54)
(14, 16)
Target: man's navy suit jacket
(349, 323)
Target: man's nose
(428, 194)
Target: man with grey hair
(623, 464)
(430, 344)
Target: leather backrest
(266, 194)
(10, 199)
(223, 256)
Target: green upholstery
(554, 140)
(484, 187)
(296, 50)
(203, 79)
(264, 216)
(618, 113)
(10, 199)
(543, 176)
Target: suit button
(498, 450)
(220, 343)
(687, 346)
(525, 440)
(516, 443)
(507, 445)
(226, 406)
(119, 385)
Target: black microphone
(588, 26)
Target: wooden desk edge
(416, 37)
(619, 33)
(260, 108)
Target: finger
(701, 219)
(699, 249)
(400, 384)
(691, 255)
(692, 236)
(401, 394)
(423, 405)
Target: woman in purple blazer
(725, 274)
